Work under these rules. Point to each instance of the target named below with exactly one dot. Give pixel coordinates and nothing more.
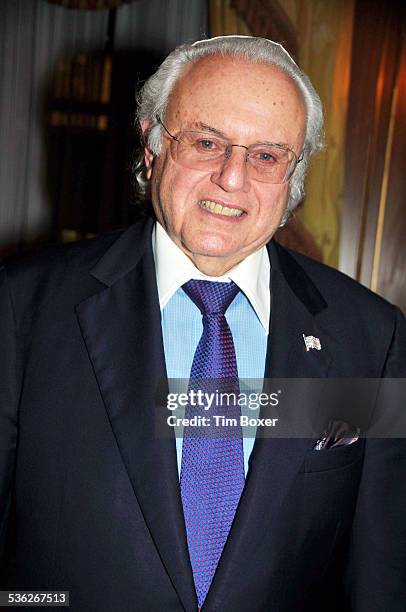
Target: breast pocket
(334, 458)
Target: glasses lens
(204, 151)
(199, 148)
(270, 163)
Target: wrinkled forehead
(215, 87)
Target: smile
(218, 209)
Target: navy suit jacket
(89, 495)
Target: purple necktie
(212, 474)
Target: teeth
(218, 209)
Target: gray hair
(154, 96)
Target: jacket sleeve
(376, 577)
(8, 406)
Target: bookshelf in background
(79, 133)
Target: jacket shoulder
(54, 275)
(367, 326)
(53, 258)
(338, 289)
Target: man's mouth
(219, 209)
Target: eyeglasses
(199, 150)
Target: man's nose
(232, 174)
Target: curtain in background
(34, 36)
(92, 5)
(160, 25)
(325, 40)
(224, 19)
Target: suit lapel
(275, 462)
(295, 306)
(122, 331)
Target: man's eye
(206, 145)
(266, 157)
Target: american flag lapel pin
(311, 342)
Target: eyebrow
(213, 130)
(209, 128)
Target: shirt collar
(173, 269)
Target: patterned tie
(212, 474)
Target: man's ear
(148, 155)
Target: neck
(214, 266)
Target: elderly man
(93, 500)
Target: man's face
(248, 103)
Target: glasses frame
(289, 174)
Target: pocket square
(337, 433)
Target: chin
(210, 247)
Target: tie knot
(211, 297)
